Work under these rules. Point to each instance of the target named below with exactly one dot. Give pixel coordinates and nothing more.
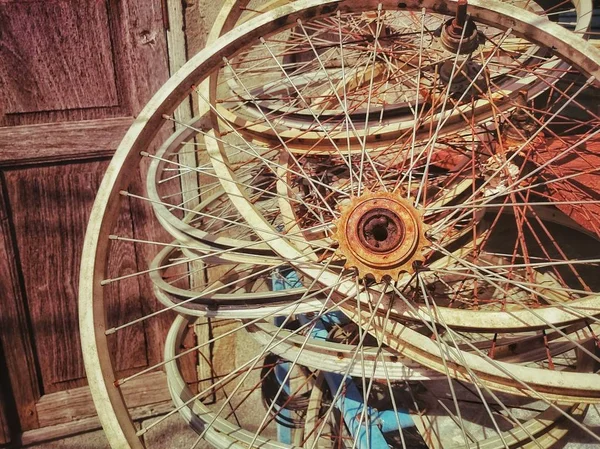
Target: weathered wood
(142, 50)
(59, 431)
(89, 424)
(15, 334)
(176, 42)
(124, 60)
(143, 34)
(20, 145)
(76, 404)
(4, 427)
(57, 55)
(61, 197)
(75, 75)
(125, 300)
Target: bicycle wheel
(318, 263)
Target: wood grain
(147, 228)
(4, 427)
(127, 65)
(124, 299)
(142, 50)
(89, 424)
(89, 139)
(50, 211)
(75, 404)
(143, 33)
(15, 332)
(76, 75)
(57, 55)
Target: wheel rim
(161, 104)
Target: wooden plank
(176, 44)
(183, 114)
(4, 427)
(47, 222)
(20, 145)
(59, 431)
(66, 406)
(89, 424)
(142, 50)
(14, 326)
(124, 301)
(50, 208)
(57, 55)
(137, 68)
(142, 31)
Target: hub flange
(381, 234)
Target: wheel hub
(380, 230)
(381, 235)
(459, 35)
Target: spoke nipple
(299, 22)
(144, 153)
(123, 192)
(262, 40)
(113, 237)
(166, 117)
(110, 331)
(225, 60)
(105, 282)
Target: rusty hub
(520, 126)
(381, 234)
(460, 26)
(380, 230)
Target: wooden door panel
(15, 327)
(4, 428)
(79, 60)
(57, 55)
(73, 75)
(50, 208)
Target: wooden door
(73, 74)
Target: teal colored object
(367, 430)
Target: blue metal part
(351, 404)
(283, 279)
(367, 430)
(284, 434)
